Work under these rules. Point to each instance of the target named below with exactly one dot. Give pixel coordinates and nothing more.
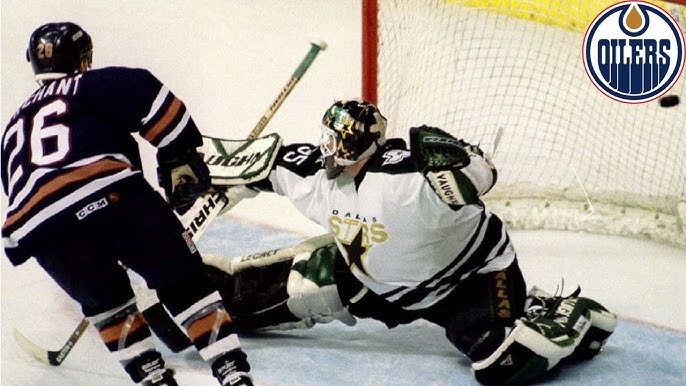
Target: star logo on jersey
(356, 251)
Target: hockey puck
(669, 101)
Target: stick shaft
(315, 47)
(210, 214)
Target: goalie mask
(351, 131)
(57, 49)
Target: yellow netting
(571, 15)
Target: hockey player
(413, 240)
(79, 204)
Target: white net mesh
(476, 67)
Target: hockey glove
(458, 172)
(184, 177)
(434, 149)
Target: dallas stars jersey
(397, 236)
(72, 138)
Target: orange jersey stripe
(206, 324)
(59, 182)
(161, 125)
(113, 333)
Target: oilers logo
(633, 52)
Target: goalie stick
(217, 201)
(206, 209)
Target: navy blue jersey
(73, 137)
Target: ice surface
(638, 353)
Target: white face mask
(328, 141)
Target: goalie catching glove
(458, 172)
(183, 176)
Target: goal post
(568, 156)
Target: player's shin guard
(127, 336)
(210, 330)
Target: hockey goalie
(310, 283)
(409, 239)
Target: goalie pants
(476, 315)
(128, 222)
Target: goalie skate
(603, 322)
(555, 329)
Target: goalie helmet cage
(509, 73)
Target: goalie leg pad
(276, 290)
(312, 287)
(603, 322)
(555, 329)
(256, 296)
(524, 355)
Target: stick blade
(53, 358)
(31, 348)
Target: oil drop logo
(633, 52)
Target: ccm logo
(90, 208)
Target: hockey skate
(554, 330)
(232, 369)
(165, 378)
(603, 322)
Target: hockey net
(568, 157)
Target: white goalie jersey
(397, 236)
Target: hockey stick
(217, 201)
(54, 358)
(206, 209)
